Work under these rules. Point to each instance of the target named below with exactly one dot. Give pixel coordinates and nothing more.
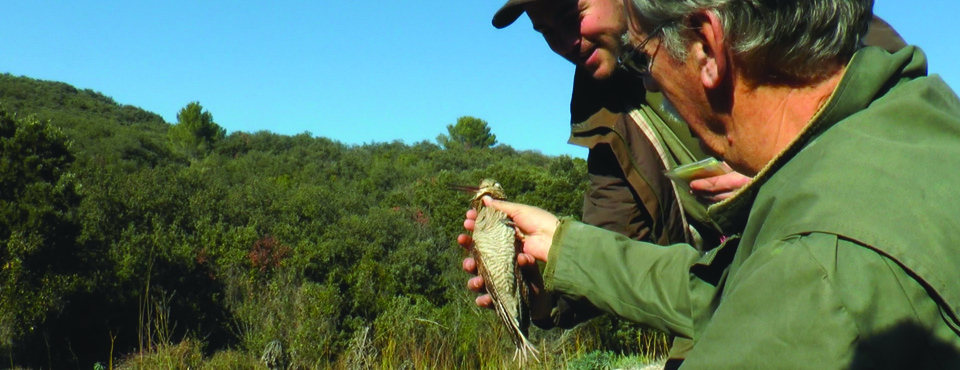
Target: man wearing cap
(843, 250)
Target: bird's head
(487, 187)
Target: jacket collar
(600, 104)
(870, 74)
(594, 102)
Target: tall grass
(298, 320)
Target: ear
(709, 50)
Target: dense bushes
(123, 250)
(38, 196)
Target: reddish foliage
(420, 217)
(267, 253)
(203, 257)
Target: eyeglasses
(636, 61)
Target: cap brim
(509, 13)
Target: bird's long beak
(464, 188)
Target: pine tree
(195, 131)
(468, 132)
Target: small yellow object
(701, 169)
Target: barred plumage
(495, 251)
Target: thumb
(511, 209)
(528, 218)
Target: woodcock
(495, 249)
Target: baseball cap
(509, 13)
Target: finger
(476, 284)
(705, 186)
(470, 265)
(511, 209)
(525, 260)
(712, 198)
(523, 215)
(471, 214)
(722, 196)
(531, 271)
(719, 184)
(469, 224)
(485, 301)
(465, 241)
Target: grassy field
(282, 326)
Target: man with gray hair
(846, 233)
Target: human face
(585, 32)
(677, 80)
(679, 83)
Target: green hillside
(130, 242)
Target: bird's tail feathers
(519, 336)
(524, 350)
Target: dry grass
(296, 320)
(431, 348)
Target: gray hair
(775, 40)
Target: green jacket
(843, 243)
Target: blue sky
(353, 71)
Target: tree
(469, 132)
(195, 129)
(38, 251)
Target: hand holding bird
(537, 228)
(502, 267)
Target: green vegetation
(195, 132)
(468, 132)
(130, 243)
